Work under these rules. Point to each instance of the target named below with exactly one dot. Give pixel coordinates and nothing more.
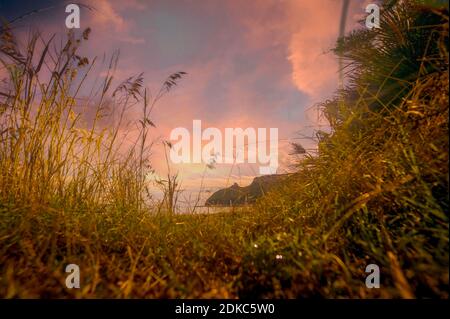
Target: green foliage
(383, 64)
(378, 191)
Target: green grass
(376, 193)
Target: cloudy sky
(260, 63)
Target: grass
(376, 193)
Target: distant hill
(236, 195)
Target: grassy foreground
(376, 194)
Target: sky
(258, 64)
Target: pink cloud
(314, 26)
(105, 16)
